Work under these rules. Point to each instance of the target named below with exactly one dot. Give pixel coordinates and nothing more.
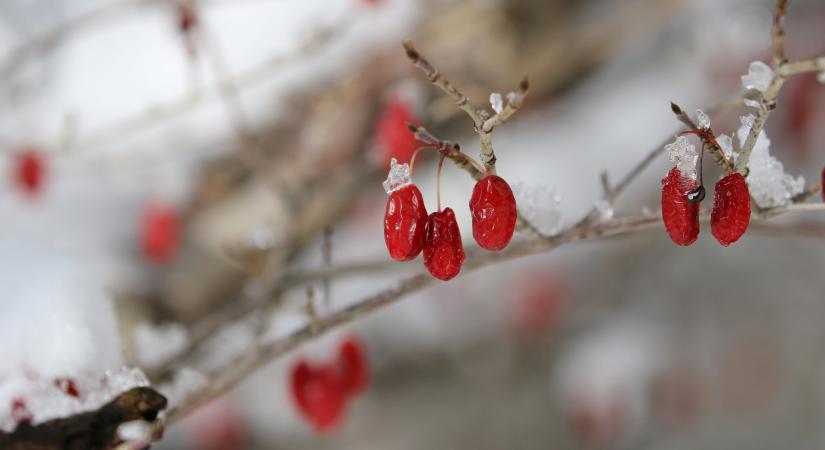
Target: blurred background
(181, 152)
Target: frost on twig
(769, 185)
(759, 77)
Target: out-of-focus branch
(265, 351)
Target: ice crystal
(726, 143)
(683, 155)
(767, 181)
(605, 210)
(497, 102)
(539, 205)
(702, 118)
(398, 177)
(759, 76)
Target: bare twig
(482, 122)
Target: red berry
(187, 17)
(392, 137)
(443, 252)
(319, 396)
(731, 209)
(681, 218)
(68, 386)
(404, 222)
(159, 233)
(493, 207)
(29, 171)
(352, 366)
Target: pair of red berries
(408, 230)
(322, 392)
(680, 212)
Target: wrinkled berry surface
(443, 252)
(404, 221)
(493, 208)
(731, 209)
(681, 219)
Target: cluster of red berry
(408, 230)
(681, 196)
(321, 392)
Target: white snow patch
(539, 205)
(156, 344)
(759, 77)
(683, 155)
(767, 181)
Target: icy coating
(726, 143)
(398, 177)
(759, 77)
(683, 155)
(497, 102)
(702, 118)
(767, 181)
(539, 205)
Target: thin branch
(263, 352)
(779, 34)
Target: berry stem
(438, 182)
(415, 153)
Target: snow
(185, 381)
(769, 185)
(702, 119)
(58, 325)
(759, 77)
(683, 155)
(398, 177)
(752, 103)
(155, 345)
(497, 102)
(821, 77)
(539, 205)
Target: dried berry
(404, 221)
(493, 207)
(319, 395)
(731, 209)
(681, 218)
(29, 171)
(392, 137)
(159, 233)
(443, 251)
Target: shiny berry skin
(681, 218)
(493, 207)
(443, 252)
(319, 395)
(392, 137)
(159, 233)
(29, 171)
(352, 366)
(731, 209)
(404, 221)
